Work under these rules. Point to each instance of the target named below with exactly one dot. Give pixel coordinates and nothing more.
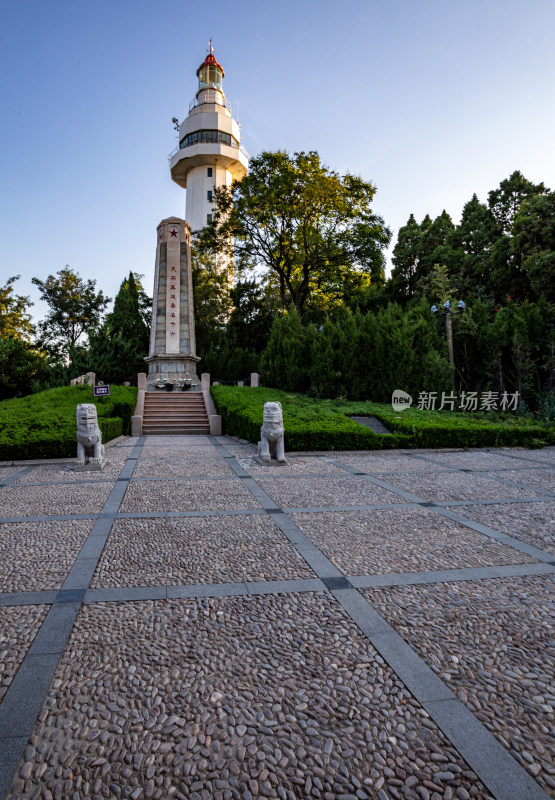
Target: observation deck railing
(194, 102)
(236, 146)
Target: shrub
(43, 425)
(312, 424)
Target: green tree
(300, 223)
(14, 318)
(127, 318)
(117, 348)
(472, 241)
(505, 201)
(406, 258)
(212, 300)
(435, 247)
(283, 363)
(20, 366)
(509, 279)
(533, 239)
(250, 322)
(75, 308)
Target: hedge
(324, 425)
(43, 425)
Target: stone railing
(88, 378)
(137, 418)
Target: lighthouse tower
(209, 154)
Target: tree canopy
(307, 229)
(14, 318)
(75, 308)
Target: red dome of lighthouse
(210, 61)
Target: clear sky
(432, 100)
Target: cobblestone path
(191, 624)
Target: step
(198, 420)
(175, 413)
(177, 432)
(203, 423)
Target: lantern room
(210, 73)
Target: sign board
(101, 391)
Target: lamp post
(461, 305)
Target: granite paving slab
(272, 696)
(65, 473)
(382, 462)
(492, 642)
(18, 628)
(533, 523)
(143, 552)
(544, 454)
(476, 459)
(401, 540)
(30, 501)
(296, 465)
(37, 556)
(177, 441)
(179, 452)
(170, 467)
(235, 449)
(184, 495)
(333, 491)
(129, 441)
(539, 478)
(455, 486)
(7, 472)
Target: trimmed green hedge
(43, 425)
(324, 424)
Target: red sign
(101, 391)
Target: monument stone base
(170, 367)
(91, 466)
(273, 462)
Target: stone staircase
(175, 412)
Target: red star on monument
(173, 232)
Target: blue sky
(431, 100)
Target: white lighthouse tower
(209, 154)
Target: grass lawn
(325, 425)
(43, 425)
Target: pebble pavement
(337, 490)
(493, 642)
(533, 523)
(391, 540)
(18, 627)
(192, 638)
(456, 486)
(37, 556)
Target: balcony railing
(194, 102)
(238, 147)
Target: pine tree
(473, 240)
(406, 259)
(118, 349)
(283, 362)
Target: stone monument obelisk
(172, 334)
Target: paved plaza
(192, 624)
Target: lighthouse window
(209, 172)
(208, 137)
(209, 218)
(210, 77)
(209, 195)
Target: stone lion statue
(272, 443)
(89, 435)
